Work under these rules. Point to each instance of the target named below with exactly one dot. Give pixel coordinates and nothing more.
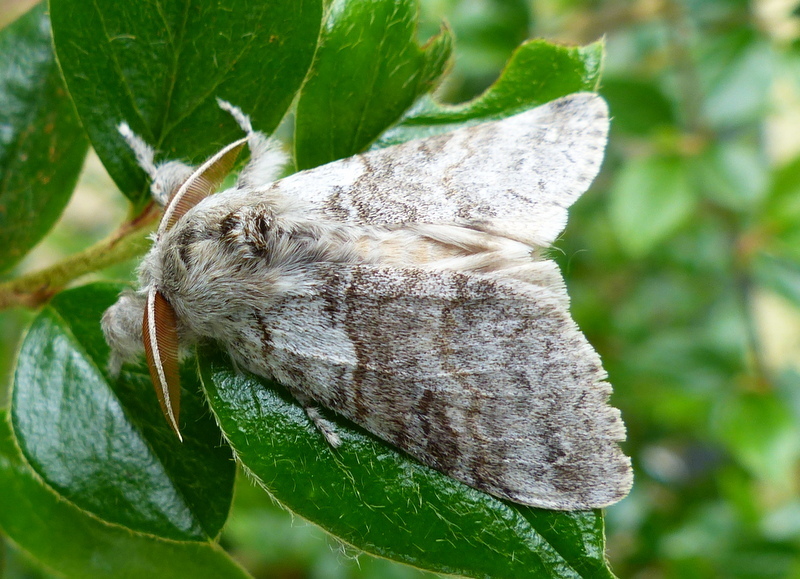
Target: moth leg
(122, 326)
(266, 157)
(325, 426)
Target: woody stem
(35, 288)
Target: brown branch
(35, 288)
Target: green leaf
(273, 540)
(537, 72)
(160, 66)
(42, 145)
(373, 497)
(368, 70)
(102, 443)
(488, 32)
(63, 537)
(650, 198)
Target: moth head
(179, 188)
(160, 323)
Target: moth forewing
(514, 178)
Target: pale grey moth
(407, 289)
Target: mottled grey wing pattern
(484, 378)
(515, 177)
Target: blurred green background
(683, 263)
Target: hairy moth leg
(325, 426)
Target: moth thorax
(251, 224)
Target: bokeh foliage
(683, 263)
(683, 269)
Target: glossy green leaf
(102, 443)
(42, 145)
(278, 544)
(650, 198)
(487, 33)
(373, 497)
(537, 72)
(76, 544)
(368, 70)
(160, 66)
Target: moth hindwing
(406, 289)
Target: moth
(407, 289)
